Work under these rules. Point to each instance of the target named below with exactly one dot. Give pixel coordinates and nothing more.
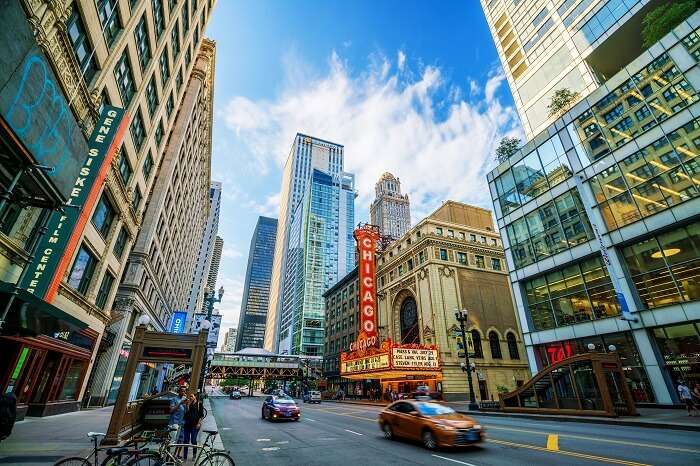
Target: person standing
(8, 414)
(193, 422)
(686, 398)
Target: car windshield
(433, 409)
(284, 401)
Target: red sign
(557, 352)
(367, 237)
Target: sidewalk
(43, 441)
(659, 418)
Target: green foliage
(502, 389)
(662, 19)
(562, 100)
(507, 147)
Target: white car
(312, 396)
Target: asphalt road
(334, 433)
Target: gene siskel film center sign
(414, 358)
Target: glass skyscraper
(321, 250)
(256, 292)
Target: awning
(394, 374)
(30, 315)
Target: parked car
(433, 424)
(312, 396)
(280, 407)
(235, 395)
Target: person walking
(8, 414)
(193, 422)
(695, 394)
(687, 398)
(178, 407)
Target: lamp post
(462, 316)
(209, 301)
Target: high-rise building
(137, 56)
(321, 250)
(256, 291)
(213, 274)
(307, 153)
(206, 251)
(390, 210)
(230, 338)
(159, 271)
(547, 45)
(599, 218)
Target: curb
(587, 420)
(209, 423)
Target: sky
(410, 87)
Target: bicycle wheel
(217, 459)
(146, 459)
(72, 461)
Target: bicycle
(206, 454)
(115, 456)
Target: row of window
(477, 351)
(461, 235)
(82, 273)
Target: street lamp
(462, 316)
(206, 325)
(144, 320)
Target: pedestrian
(687, 398)
(178, 407)
(8, 414)
(193, 422)
(696, 394)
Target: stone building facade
(390, 210)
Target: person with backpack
(8, 414)
(193, 422)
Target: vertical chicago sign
(367, 237)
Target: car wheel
(388, 431)
(262, 414)
(429, 441)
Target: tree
(507, 147)
(562, 100)
(662, 19)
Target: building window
(175, 41)
(105, 288)
(410, 264)
(495, 345)
(124, 167)
(147, 166)
(472, 237)
(159, 133)
(185, 18)
(400, 270)
(164, 68)
(137, 199)
(108, 13)
(138, 133)
(158, 17)
(450, 233)
(480, 261)
(104, 214)
(438, 231)
(169, 105)
(462, 258)
(476, 344)
(512, 346)
(125, 80)
(142, 46)
(188, 57)
(120, 243)
(82, 270)
(665, 269)
(178, 80)
(443, 254)
(495, 264)
(81, 45)
(461, 235)
(152, 96)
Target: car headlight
(445, 427)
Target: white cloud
(230, 305)
(401, 60)
(417, 126)
(231, 252)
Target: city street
(334, 433)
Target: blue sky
(411, 87)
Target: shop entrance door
(616, 386)
(483, 390)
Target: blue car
(277, 408)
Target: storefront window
(72, 378)
(118, 373)
(664, 268)
(680, 347)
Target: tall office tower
(547, 45)
(256, 291)
(230, 340)
(87, 54)
(599, 219)
(390, 210)
(213, 274)
(321, 250)
(206, 250)
(307, 153)
(160, 265)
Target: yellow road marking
(553, 442)
(567, 453)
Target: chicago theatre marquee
(408, 335)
